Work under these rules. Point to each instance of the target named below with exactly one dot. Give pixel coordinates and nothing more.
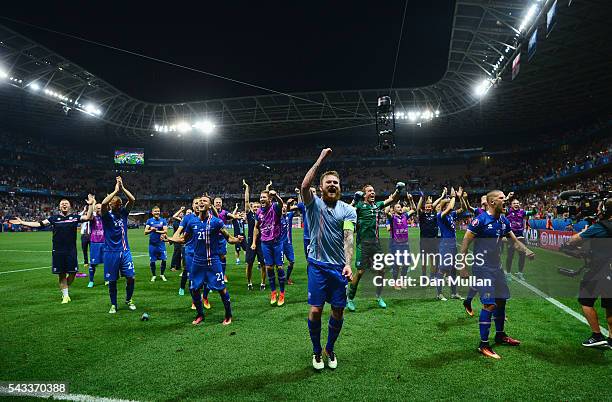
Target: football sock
(92, 272)
(485, 324)
(163, 267)
(64, 291)
(112, 291)
(129, 289)
(206, 292)
(281, 278)
(453, 274)
(470, 295)
(439, 277)
(314, 328)
(352, 290)
(500, 317)
(334, 328)
(271, 279)
(196, 297)
(184, 277)
(289, 270)
(225, 298)
(152, 266)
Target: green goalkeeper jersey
(367, 220)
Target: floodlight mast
(385, 124)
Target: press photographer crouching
(597, 280)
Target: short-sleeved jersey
(477, 211)
(446, 224)
(187, 219)
(327, 231)
(157, 224)
(286, 226)
(488, 231)
(428, 223)
(270, 222)
(367, 220)
(205, 234)
(97, 230)
(516, 217)
(399, 227)
(64, 231)
(302, 208)
(115, 230)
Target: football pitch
(417, 349)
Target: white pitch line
(26, 251)
(557, 303)
(34, 269)
(64, 397)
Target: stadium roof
(568, 78)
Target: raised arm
(247, 195)
(393, 198)
(269, 185)
(420, 204)
(130, 198)
(451, 204)
(30, 224)
(460, 196)
(104, 205)
(177, 213)
(91, 201)
(436, 202)
(310, 175)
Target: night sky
(287, 46)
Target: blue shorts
(118, 262)
(188, 260)
(326, 285)
(401, 247)
(272, 252)
(251, 254)
(64, 262)
(96, 253)
(306, 244)
(288, 251)
(242, 245)
(157, 252)
(498, 289)
(209, 275)
(448, 251)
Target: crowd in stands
(28, 178)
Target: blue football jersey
(446, 224)
(286, 225)
(187, 219)
(205, 235)
(157, 224)
(488, 231)
(115, 230)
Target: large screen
(131, 156)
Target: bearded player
(487, 231)
(332, 224)
(368, 242)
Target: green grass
(416, 349)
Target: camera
(586, 204)
(385, 124)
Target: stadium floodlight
(34, 86)
(183, 127)
(437, 112)
(92, 109)
(206, 127)
(3, 74)
(413, 116)
(530, 13)
(482, 88)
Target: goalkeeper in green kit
(368, 242)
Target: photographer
(597, 281)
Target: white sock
(65, 291)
